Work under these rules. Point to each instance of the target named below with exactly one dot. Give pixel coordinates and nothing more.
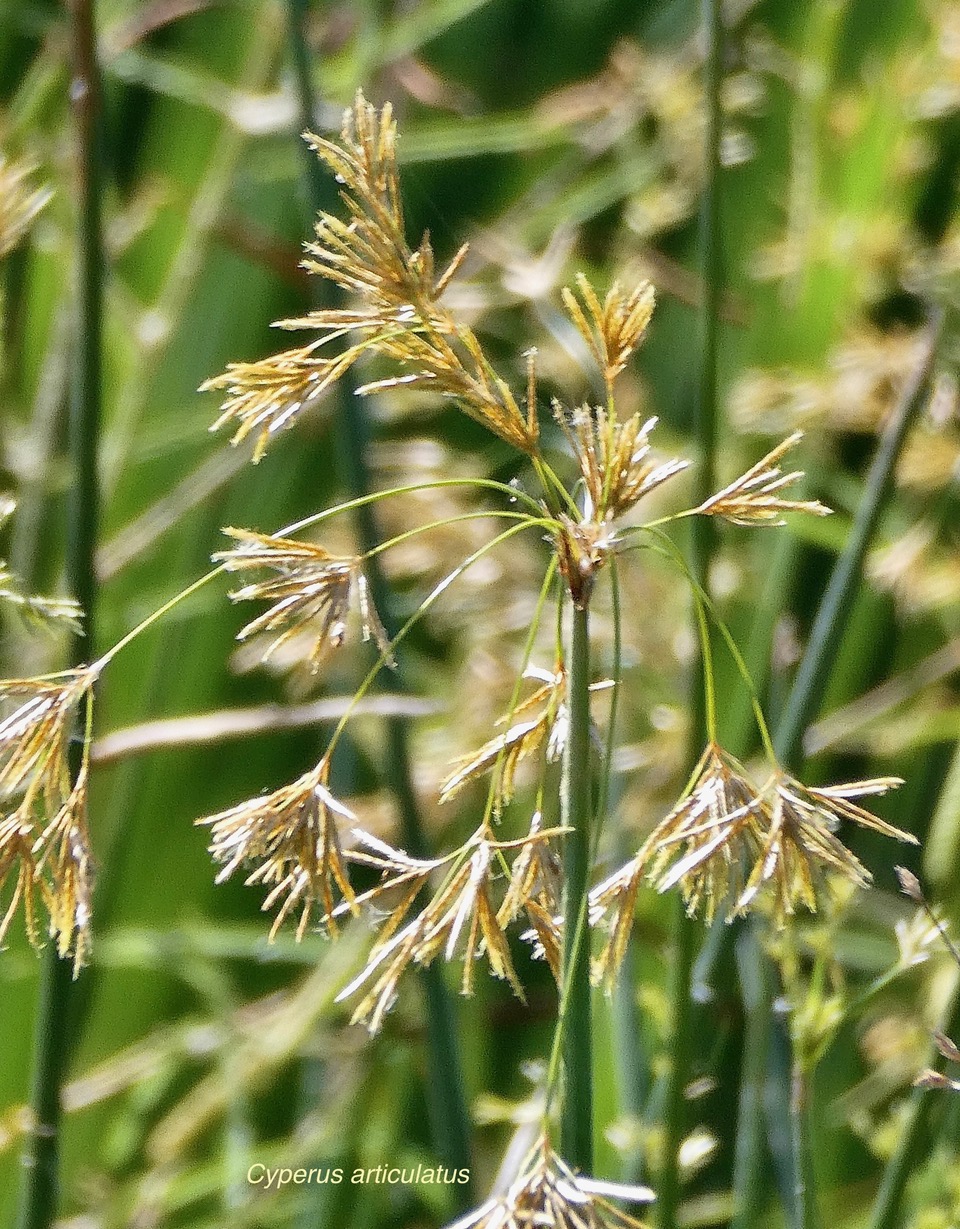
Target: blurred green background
(554, 136)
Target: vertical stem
(41, 1160)
(834, 609)
(702, 544)
(801, 1123)
(576, 1135)
(818, 660)
(915, 1142)
(446, 1090)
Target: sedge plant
(738, 841)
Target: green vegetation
(491, 649)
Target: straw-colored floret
(548, 1194)
(311, 594)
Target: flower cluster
(547, 1191)
(728, 845)
(44, 842)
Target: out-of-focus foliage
(555, 137)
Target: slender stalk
(449, 1114)
(702, 544)
(834, 609)
(914, 1144)
(53, 1034)
(802, 704)
(801, 1125)
(576, 1133)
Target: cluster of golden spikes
(755, 499)
(614, 328)
(615, 462)
(541, 716)
(311, 594)
(20, 202)
(547, 1192)
(726, 843)
(63, 610)
(293, 840)
(44, 842)
(461, 920)
(401, 316)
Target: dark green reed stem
(815, 667)
(576, 1134)
(835, 607)
(702, 545)
(914, 1145)
(450, 1117)
(41, 1159)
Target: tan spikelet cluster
(20, 202)
(269, 395)
(541, 716)
(730, 846)
(44, 843)
(548, 1193)
(461, 920)
(293, 840)
(755, 499)
(62, 610)
(312, 593)
(614, 459)
(614, 328)
(536, 888)
(400, 316)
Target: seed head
(459, 922)
(800, 847)
(612, 329)
(615, 462)
(754, 498)
(547, 1192)
(292, 839)
(312, 592)
(400, 316)
(543, 716)
(44, 845)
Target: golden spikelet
(401, 318)
(267, 396)
(800, 847)
(17, 837)
(614, 328)
(65, 864)
(20, 202)
(614, 459)
(706, 845)
(729, 846)
(459, 922)
(755, 499)
(542, 715)
(293, 840)
(44, 846)
(536, 888)
(312, 592)
(548, 1194)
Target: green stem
(446, 1090)
(818, 660)
(702, 544)
(834, 610)
(913, 1147)
(53, 1035)
(749, 1155)
(801, 1136)
(576, 1134)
